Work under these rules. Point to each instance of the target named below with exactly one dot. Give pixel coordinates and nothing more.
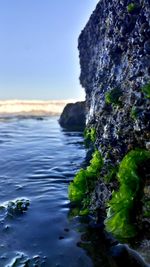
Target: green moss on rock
(131, 7)
(89, 136)
(120, 216)
(111, 174)
(112, 97)
(146, 90)
(147, 209)
(83, 183)
(134, 113)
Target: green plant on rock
(112, 97)
(111, 174)
(147, 209)
(131, 7)
(146, 90)
(120, 216)
(89, 136)
(83, 183)
(134, 113)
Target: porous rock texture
(114, 51)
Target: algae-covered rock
(84, 182)
(114, 51)
(13, 208)
(18, 206)
(121, 215)
(115, 73)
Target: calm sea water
(37, 161)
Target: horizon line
(41, 100)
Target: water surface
(37, 161)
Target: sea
(38, 160)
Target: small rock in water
(73, 116)
(18, 206)
(61, 237)
(22, 260)
(66, 229)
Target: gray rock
(114, 50)
(126, 257)
(147, 47)
(73, 116)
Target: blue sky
(38, 48)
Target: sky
(38, 48)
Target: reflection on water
(37, 161)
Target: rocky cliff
(114, 49)
(115, 63)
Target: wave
(33, 107)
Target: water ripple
(38, 160)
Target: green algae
(131, 7)
(134, 113)
(147, 209)
(112, 97)
(146, 90)
(84, 181)
(111, 174)
(121, 213)
(89, 136)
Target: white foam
(33, 107)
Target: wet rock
(114, 50)
(22, 260)
(147, 47)
(124, 256)
(18, 206)
(61, 237)
(73, 116)
(117, 61)
(100, 196)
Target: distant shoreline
(33, 107)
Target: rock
(147, 47)
(114, 51)
(123, 256)
(17, 207)
(120, 61)
(73, 116)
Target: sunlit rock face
(11, 107)
(114, 52)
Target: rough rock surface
(115, 53)
(114, 50)
(73, 116)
